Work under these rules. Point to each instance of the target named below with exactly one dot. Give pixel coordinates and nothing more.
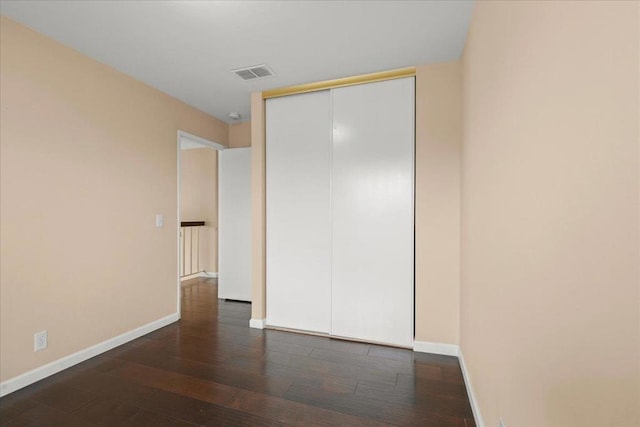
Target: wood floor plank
(64, 397)
(211, 369)
(322, 367)
(108, 412)
(184, 385)
(200, 412)
(11, 407)
(46, 416)
(295, 413)
(247, 401)
(292, 374)
(216, 373)
(364, 361)
(109, 386)
(373, 409)
(431, 387)
(392, 353)
(435, 403)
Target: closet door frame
(260, 310)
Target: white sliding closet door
(234, 224)
(372, 212)
(298, 131)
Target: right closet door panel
(372, 236)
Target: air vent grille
(254, 72)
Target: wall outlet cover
(40, 340)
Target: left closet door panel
(298, 178)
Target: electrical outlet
(501, 423)
(40, 340)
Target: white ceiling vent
(254, 72)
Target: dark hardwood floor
(211, 369)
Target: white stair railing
(190, 248)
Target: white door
(298, 132)
(234, 224)
(372, 261)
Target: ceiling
(187, 48)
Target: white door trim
(186, 137)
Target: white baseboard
(209, 274)
(257, 323)
(205, 274)
(23, 380)
(472, 397)
(436, 348)
(453, 350)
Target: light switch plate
(159, 220)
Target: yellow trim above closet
(345, 81)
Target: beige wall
(550, 326)
(88, 157)
(199, 202)
(258, 209)
(240, 134)
(437, 204)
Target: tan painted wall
(258, 209)
(240, 134)
(88, 156)
(437, 201)
(550, 292)
(199, 202)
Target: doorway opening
(197, 231)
